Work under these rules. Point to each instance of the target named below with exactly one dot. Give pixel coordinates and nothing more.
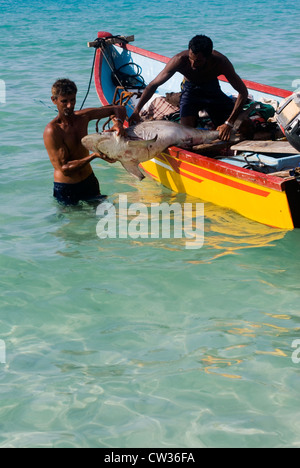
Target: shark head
(115, 147)
(103, 143)
(130, 152)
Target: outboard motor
(288, 117)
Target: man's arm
(74, 166)
(119, 113)
(237, 83)
(170, 69)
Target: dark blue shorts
(208, 97)
(71, 194)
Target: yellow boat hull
(262, 199)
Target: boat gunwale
(283, 93)
(264, 180)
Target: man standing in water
(201, 65)
(74, 179)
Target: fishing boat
(256, 180)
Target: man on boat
(201, 65)
(74, 179)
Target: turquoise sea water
(139, 343)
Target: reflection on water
(225, 232)
(224, 229)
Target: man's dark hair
(201, 44)
(63, 87)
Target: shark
(145, 141)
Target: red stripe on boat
(178, 165)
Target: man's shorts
(208, 97)
(71, 194)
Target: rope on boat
(91, 77)
(100, 44)
(125, 94)
(124, 99)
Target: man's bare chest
(201, 75)
(71, 136)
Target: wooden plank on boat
(280, 147)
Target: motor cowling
(288, 117)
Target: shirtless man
(201, 66)
(74, 179)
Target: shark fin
(133, 169)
